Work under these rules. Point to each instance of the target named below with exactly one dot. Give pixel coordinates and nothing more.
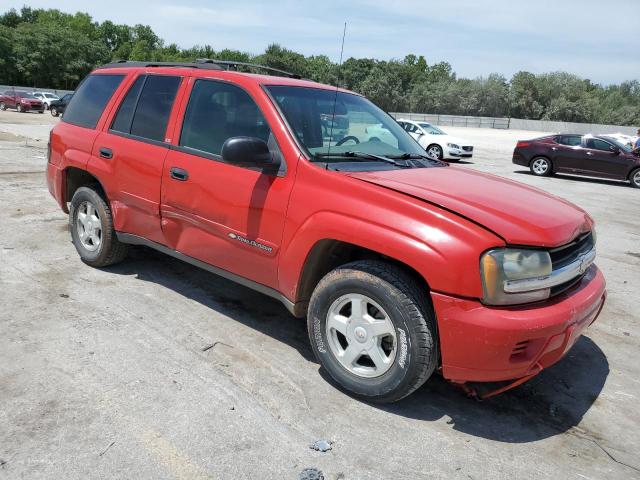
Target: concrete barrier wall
(515, 124)
(60, 93)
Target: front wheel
(634, 178)
(372, 328)
(19, 108)
(92, 232)
(54, 111)
(3, 106)
(435, 151)
(541, 166)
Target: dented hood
(520, 214)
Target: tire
(3, 106)
(41, 111)
(102, 248)
(54, 111)
(398, 305)
(46, 106)
(19, 108)
(634, 178)
(541, 167)
(435, 151)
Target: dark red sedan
(21, 101)
(589, 155)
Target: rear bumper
(55, 183)
(519, 159)
(488, 344)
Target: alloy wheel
(636, 178)
(89, 226)
(361, 336)
(435, 151)
(540, 166)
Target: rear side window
(145, 110)
(570, 140)
(218, 111)
(90, 99)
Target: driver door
(225, 215)
(603, 159)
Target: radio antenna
(335, 96)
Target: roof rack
(133, 64)
(203, 63)
(233, 65)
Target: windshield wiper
(363, 155)
(408, 156)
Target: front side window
(91, 98)
(597, 144)
(360, 130)
(218, 111)
(431, 130)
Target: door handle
(589, 153)
(179, 174)
(106, 152)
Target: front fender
(445, 251)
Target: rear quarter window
(89, 100)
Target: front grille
(566, 254)
(467, 149)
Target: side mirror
(249, 152)
(614, 150)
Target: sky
(595, 39)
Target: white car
(628, 140)
(46, 98)
(436, 142)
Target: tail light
(523, 144)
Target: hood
(451, 139)
(520, 214)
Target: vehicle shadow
(550, 404)
(575, 178)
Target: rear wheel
(54, 111)
(634, 178)
(91, 227)
(435, 151)
(541, 166)
(372, 328)
(3, 106)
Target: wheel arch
(74, 178)
(328, 254)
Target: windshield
(627, 147)
(24, 95)
(357, 126)
(50, 95)
(431, 130)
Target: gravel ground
(154, 369)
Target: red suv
(401, 264)
(21, 101)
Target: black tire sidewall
(404, 369)
(85, 194)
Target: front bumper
(480, 343)
(457, 153)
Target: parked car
(593, 156)
(436, 142)
(57, 107)
(46, 98)
(21, 101)
(402, 264)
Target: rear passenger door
(129, 154)
(225, 215)
(567, 154)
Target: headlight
(505, 264)
(453, 145)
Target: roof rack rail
(233, 65)
(134, 64)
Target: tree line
(47, 48)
